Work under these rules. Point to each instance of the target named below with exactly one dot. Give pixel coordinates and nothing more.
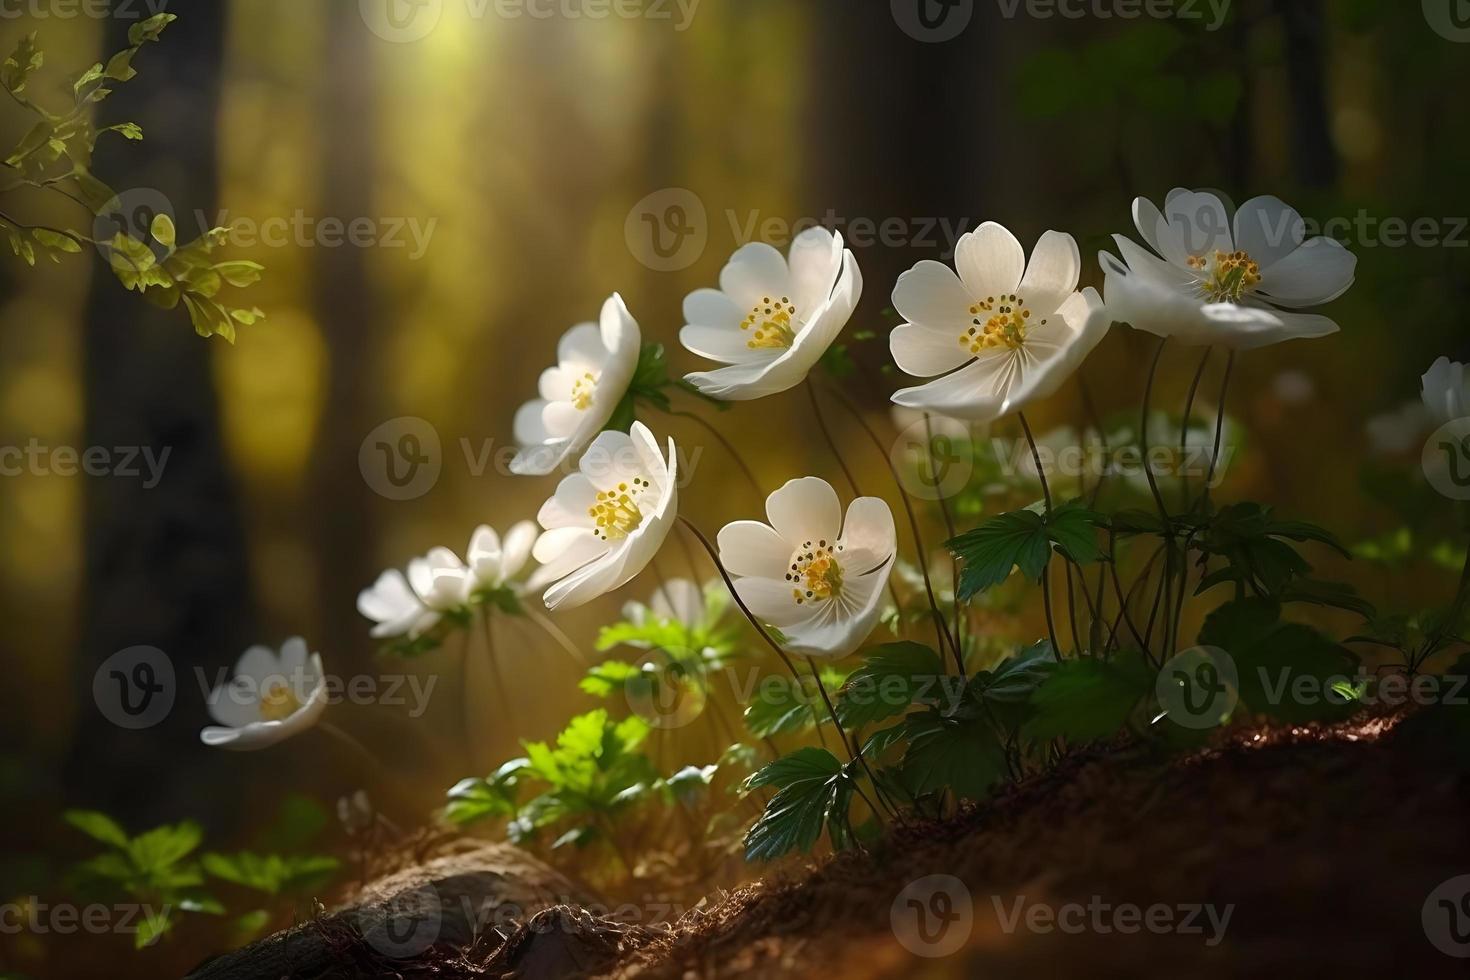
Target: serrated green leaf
(99, 826)
(810, 785)
(959, 755)
(1089, 699)
(893, 677)
(990, 551)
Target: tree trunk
(165, 566)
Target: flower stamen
(997, 322)
(773, 322)
(278, 702)
(815, 572)
(582, 391)
(1225, 277)
(617, 513)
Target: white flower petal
(1200, 220)
(805, 509)
(931, 294)
(581, 349)
(680, 600)
(516, 552)
(1157, 233)
(925, 352)
(1317, 273)
(815, 262)
(755, 273)
(771, 601)
(990, 261)
(1052, 274)
(712, 308)
(1268, 230)
(869, 528)
(753, 548)
(729, 345)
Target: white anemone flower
(595, 366)
(440, 579)
(1214, 280)
(773, 316)
(605, 523)
(677, 600)
(395, 607)
(1399, 431)
(270, 698)
(1014, 331)
(493, 564)
(1445, 391)
(816, 577)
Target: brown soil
(1324, 845)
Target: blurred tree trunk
(165, 566)
(342, 515)
(899, 129)
(1314, 156)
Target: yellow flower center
(278, 702)
(815, 572)
(771, 320)
(997, 322)
(616, 513)
(582, 391)
(1225, 276)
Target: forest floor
(1318, 851)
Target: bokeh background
(526, 150)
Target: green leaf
(162, 847)
(610, 677)
(98, 826)
(691, 783)
(1074, 529)
(150, 29)
(892, 678)
(810, 783)
(1272, 658)
(1089, 699)
(21, 64)
(781, 706)
(162, 230)
(960, 755)
(990, 551)
(472, 800)
(151, 927)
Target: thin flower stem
(357, 748)
(1036, 458)
(855, 751)
(1184, 424)
(949, 527)
(496, 678)
(555, 632)
(1167, 583)
(1072, 608)
(941, 627)
(1051, 626)
(1219, 424)
(720, 438)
